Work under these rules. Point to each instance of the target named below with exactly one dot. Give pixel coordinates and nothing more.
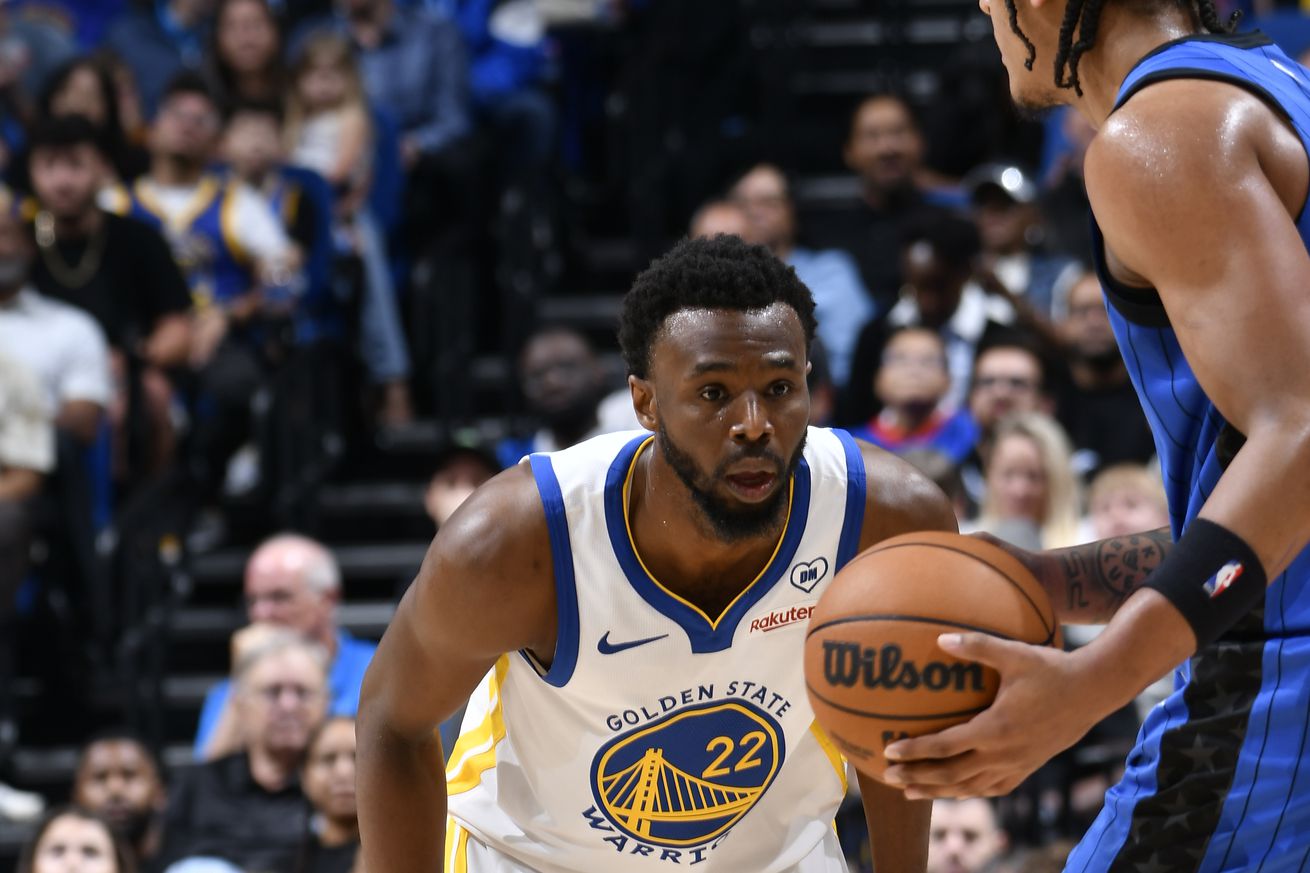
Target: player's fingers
(984, 648)
(932, 774)
(944, 744)
(976, 786)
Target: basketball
(873, 670)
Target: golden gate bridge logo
(689, 777)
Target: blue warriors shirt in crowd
(1219, 779)
(659, 738)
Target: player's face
(118, 781)
(1031, 89)
(730, 403)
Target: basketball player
(629, 616)
(1198, 180)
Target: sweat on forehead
(773, 327)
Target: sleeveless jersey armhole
(566, 591)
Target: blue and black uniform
(1219, 779)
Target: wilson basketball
(873, 669)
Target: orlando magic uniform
(659, 739)
(1218, 780)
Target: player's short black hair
(954, 240)
(65, 132)
(721, 272)
(1083, 17)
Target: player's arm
(1194, 185)
(898, 500)
(485, 588)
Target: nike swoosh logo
(605, 647)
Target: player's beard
(733, 522)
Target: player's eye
(713, 394)
(780, 389)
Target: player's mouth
(753, 485)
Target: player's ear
(643, 402)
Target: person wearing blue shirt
(290, 582)
(841, 303)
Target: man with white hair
(247, 807)
(291, 582)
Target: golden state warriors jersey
(660, 738)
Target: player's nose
(753, 422)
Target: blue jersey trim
(705, 636)
(566, 589)
(856, 490)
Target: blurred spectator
(32, 46)
(414, 66)
(60, 345)
(459, 471)
(330, 132)
(885, 149)
(564, 383)
(965, 836)
(85, 87)
(910, 385)
(290, 582)
(27, 454)
(159, 39)
(842, 305)
(237, 260)
(944, 473)
(1126, 499)
(117, 270)
(331, 844)
(719, 217)
(938, 256)
(1010, 225)
(247, 807)
(1030, 485)
(246, 59)
(71, 840)
(1099, 408)
(1064, 194)
(82, 21)
(119, 779)
(1008, 377)
(1047, 859)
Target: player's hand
(1043, 707)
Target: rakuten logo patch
(780, 619)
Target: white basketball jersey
(659, 738)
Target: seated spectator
(119, 779)
(719, 217)
(938, 257)
(290, 582)
(238, 263)
(246, 807)
(71, 840)
(1126, 499)
(944, 473)
(1099, 407)
(27, 455)
(563, 383)
(965, 836)
(58, 344)
(459, 470)
(841, 303)
(245, 63)
(415, 67)
(884, 148)
(1009, 376)
(910, 386)
(331, 844)
(32, 47)
(117, 270)
(159, 39)
(85, 87)
(329, 131)
(1010, 224)
(1032, 497)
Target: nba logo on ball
(1220, 582)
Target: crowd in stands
(212, 204)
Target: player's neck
(1122, 40)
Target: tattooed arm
(1088, 583)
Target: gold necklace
(79, 274)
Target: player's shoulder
(501, 525)
(899, 499)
